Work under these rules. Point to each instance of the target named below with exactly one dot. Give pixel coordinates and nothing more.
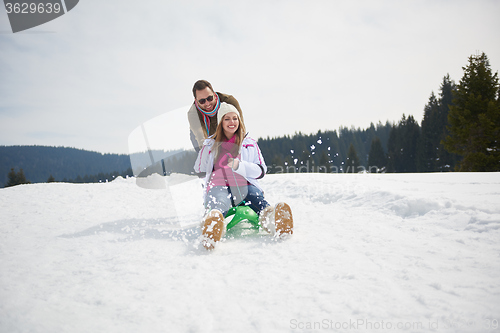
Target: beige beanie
(225, 109)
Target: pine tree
(431, 154)
(402, 146)
(277, 165)
(16, 178)
(392, 149)
(411, 136)
(445, 160)
(324, 164)
(21, 178)
(306, 161)
(377, 160)
(430, 139)
(12, 178)
(51, 179)
(475, 118)
(352, 164)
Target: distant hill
(39, 162)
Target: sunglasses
(204, 100)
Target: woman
(233, 165)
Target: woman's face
(230, 124)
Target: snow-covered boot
(283, 219)
(266, 219)
(213, 229)
(277, 220)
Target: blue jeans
(225, 197)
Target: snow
(370, 252)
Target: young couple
(233, 164)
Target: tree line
(324, 151)
(41, 164)
(459, 131)
(19, 178)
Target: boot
(266, 220)
(277, 220)
(283, 219)
(213, 229)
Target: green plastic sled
(242, 213)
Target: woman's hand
(233, 163)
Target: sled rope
(229, 187)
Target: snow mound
(484, 223)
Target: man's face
(202, 95)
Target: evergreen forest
(404, 146)
(39, 164)
(460, 131)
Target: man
(202, 115)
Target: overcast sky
(90, 77)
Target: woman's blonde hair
(220, 137)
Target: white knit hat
(225, 109)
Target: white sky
(90, 77)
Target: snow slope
(390, 252)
